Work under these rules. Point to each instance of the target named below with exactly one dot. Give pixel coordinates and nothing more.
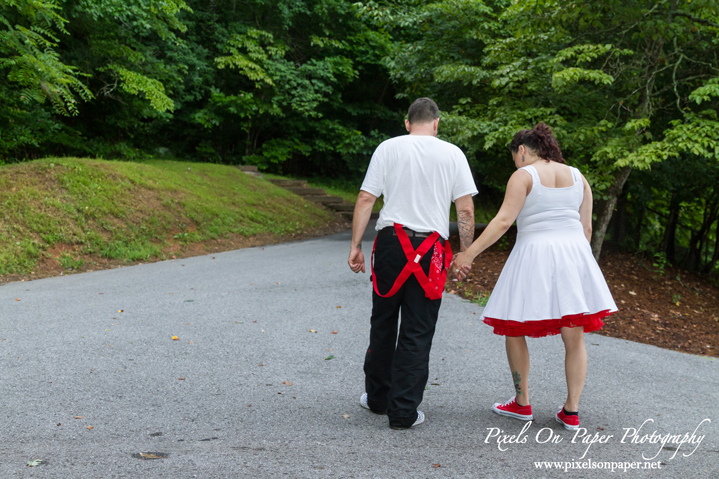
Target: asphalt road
(91, 379)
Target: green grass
(134, 211)
(480, 297)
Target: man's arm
(465, 220)
(362, 213)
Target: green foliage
(311, 87)
(33, 73)
(660, 261)
(135, 83)
(623, 84)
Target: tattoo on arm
(465, 223)
(517, 379)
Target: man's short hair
(423, 110)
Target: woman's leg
(518, 356)
(575, 365)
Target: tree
(34, 71)
(623, 84)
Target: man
(419, 176)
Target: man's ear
(406, 124)
(436, 124)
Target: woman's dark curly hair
(539, 140)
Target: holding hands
(461, 265)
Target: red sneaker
(512, 409)
(570, 421)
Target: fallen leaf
(436, 465)
(90, 427)
(287, 383)
(78, 417)
(180, 379)
(17, 299)
(346, 416)
(249, 405)
(120, 310)
(277, 282)
(632, 293)
(329, 357)
(600, 428)
(59, 424)
(147, 455)
(191, 342)
(34, 462)
(261, 364)
(312, 331)
(333, 332)
(338, 307)
(175, 338)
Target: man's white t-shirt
(419, 176)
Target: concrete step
(341, 206)
(325, 200)
(349, 215)
(306, 191)
(253, 173)
(247, 168)
(289, 183)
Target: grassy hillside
(69, 210)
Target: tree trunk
(619, 229)
(638, 232)
(670, 233)
(605, 210)
(698, 238)
(715, 257)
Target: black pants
(396, 370)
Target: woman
(551, 283)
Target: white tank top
(551, 208)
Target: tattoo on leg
(517, 379)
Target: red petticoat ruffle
(547, 327)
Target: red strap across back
(432, 285)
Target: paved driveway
(91, 380)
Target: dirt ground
(669, 308)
